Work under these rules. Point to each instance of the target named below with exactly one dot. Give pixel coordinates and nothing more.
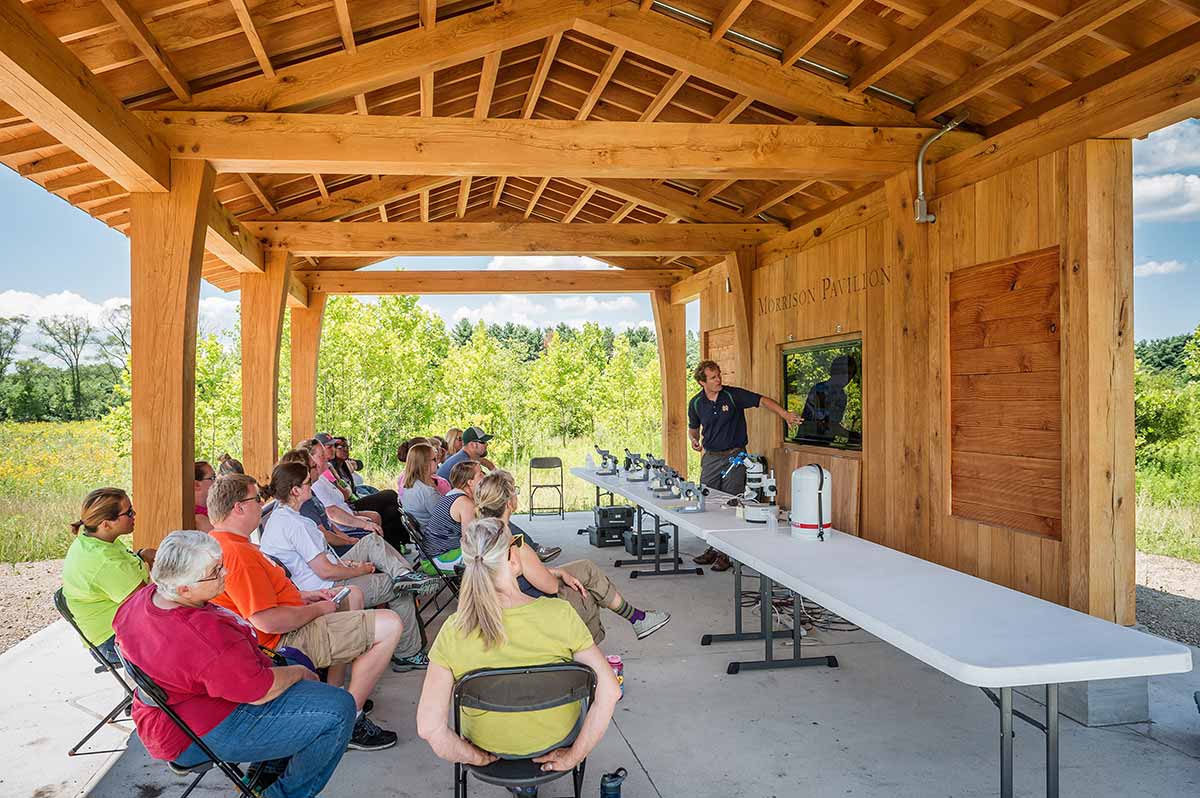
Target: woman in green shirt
(498, 626)
(100, 571)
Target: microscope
(689, 492)
(757, 501)
(638, 468)
(608, 463)
(663, 481)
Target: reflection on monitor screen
(823, 384)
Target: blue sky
(56, 259)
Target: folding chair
(546, 464)
(450, 582)
(154, 696)
(523, 690)
(60, 604)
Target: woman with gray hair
(220, 682)
(498, 626)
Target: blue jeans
(311, 723)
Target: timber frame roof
(875, 66)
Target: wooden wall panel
(1077, 201)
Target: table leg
(1052, 741)
(739, 633)
(768, 635)
(675, 560)
(1006, 742)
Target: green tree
(66, 339)
(1162, 412)
(218, 396)
(460, 333)
(10, 335)
(1164, 354)
(1191, 355)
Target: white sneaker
(654, 620)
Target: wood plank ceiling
(916, 58)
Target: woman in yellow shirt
(498, 626)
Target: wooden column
(166, 250)
(263, 298)
(670, 326)
(306, 345)
(739, 267)
(1097, 297)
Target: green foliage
(1163, 413)
(1163, 354)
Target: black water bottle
(610, 783)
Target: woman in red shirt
(218, 680)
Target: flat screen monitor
(823, 383)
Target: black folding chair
(60, 604)
(523, 690)
(152, 695)
(450, 582)
(544, 464)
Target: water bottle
(610, 783)
(773, 520)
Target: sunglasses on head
(518, 540)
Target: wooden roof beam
(606, 73)
(393, 59)
(361, 239)
(258, 192)
(1078, 23)
(345, 25)
(362, 196)
(133, 26)
(907, 45)
(229, 240)
(521, 281)
(738, 69)
(821, 27)
(664, 96)
(339, 144)
(44, 81)
(726, 19)
(255, 41)
(666, 200)
(549, 50)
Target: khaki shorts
(334, 639)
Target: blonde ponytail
(484, 551)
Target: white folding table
(977, 632)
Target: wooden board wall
(861, 277)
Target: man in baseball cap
(475, 442)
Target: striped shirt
(443, 533)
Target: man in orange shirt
(259, 590)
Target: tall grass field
(47, 468)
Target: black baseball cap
(323, 438)
(475, 435)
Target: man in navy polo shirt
(720, 410)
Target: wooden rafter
(606, 73)
(537, 194)
(909, 44)
(362, 196)
(360, 239)
(773, 196)
(666, 200)
(321, 187)
(393, 59)
(256, 189)
(483, 104)
(256, 45)
(338, 144)
(48, 84)
(549, 50)
(427, 13)
(821, 27)
(728, 16)
(583, 200)
(622, 212)
(1078, 23)
(664, 96)
(131, 23)
(229, 240)
(345, 25)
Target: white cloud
(515, 308)
(1154, 268)
(1167, 198)
(590, 306)
(217, 314)
(555, 262)
(1172, 149)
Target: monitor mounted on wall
(823, 383)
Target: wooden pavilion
(761, 155)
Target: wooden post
(263, 298)
(1098, 518)
(670, 327)
(739, 266)
(306, 344)
(166, 252)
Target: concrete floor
(883, 724)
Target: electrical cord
(812, 615)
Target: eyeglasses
(130, 512)
(254, 498)
(220, 572)
(207, 479)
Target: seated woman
(225, 688)
(100, 571)
(498, 626)
(443, 533)
(417, 490)
(453, 441)
(589, 589)
(204, 478)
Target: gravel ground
(1168, 596)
